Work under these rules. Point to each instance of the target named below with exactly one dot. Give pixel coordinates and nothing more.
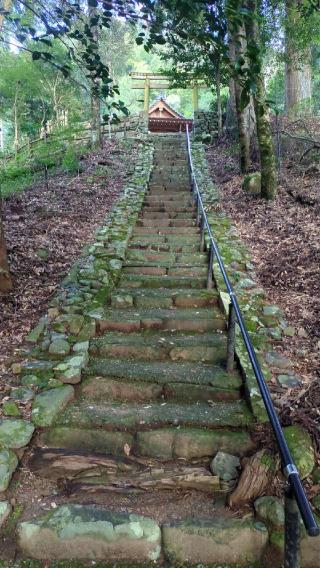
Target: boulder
(8, 464)
(301, 448)
(5, 510)
(10, 408)
(252, 183)
(59, 348)
(225, 466)
(80, 532)
(270, 510)
(15, 433)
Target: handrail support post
(231, 341)
(202, 236)
(210, 269)
(292, 530)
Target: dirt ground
(46, 230)
(283, 237)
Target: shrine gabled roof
(162, 103)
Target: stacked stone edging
(135, 126)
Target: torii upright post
(195, 97)
(146, 94)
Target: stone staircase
(155, 406)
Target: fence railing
(295, 497)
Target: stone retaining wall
(135, 126)
(205, 123)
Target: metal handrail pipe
(288, 465)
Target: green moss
(11, 524)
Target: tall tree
(298, 84)
(264, 130)
(237, 59)
(5, 278)
(93, 21)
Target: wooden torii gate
(148, 81)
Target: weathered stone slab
(215, 542)
(78, 532)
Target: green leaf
(36, 55)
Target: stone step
(150, 223)
(165, 372)
(147, 214)
(107, 388)
(166, 186)
(160, 443)
(169, 200)
(89, 533)
(167, 193)
(130, 320)
(162, 246)
(136, 281)
(168, 259)
(168, 238)
(170, 207)
(155, 346)
(163, 298)
(162, 269)
(166, 231)
(134, 417)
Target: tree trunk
(96, 135)
(258, 473)
(5, 278)
(298, 85)
(264, 130)
(218, 93)
(15, 120)
(236, 51)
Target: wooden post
(195, 97)
(146, 95)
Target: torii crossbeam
(159, 81)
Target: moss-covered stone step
(187, 222)
(162, 246)
(154, 230)
(163, 269)
(146, 213)
(134, 417)
(168, 239)
(169, 203)
(136, 281)
(87, 532)
(170, 207)
(157, 346)
(163, 443)
(164, 372)
(163, 298)
(156, 258)
(217, 541)
(130, 320)
(107, 388)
